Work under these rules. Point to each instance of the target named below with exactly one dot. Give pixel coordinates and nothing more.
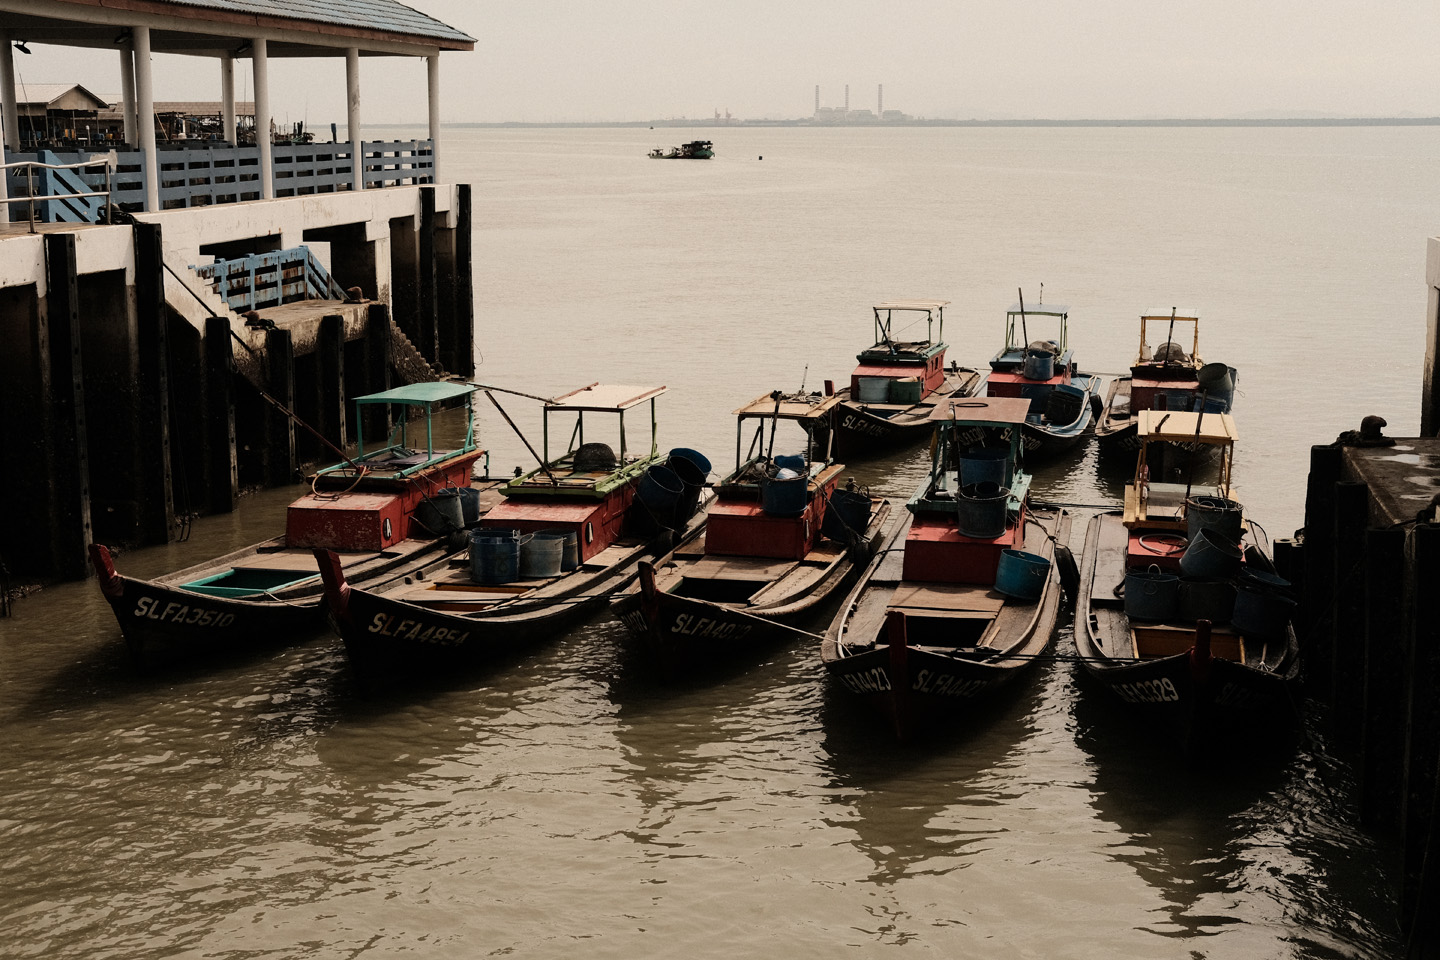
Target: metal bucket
(1039, 365)
(846, 516)
(469, 505)
(1214, 513)
(1218, 381)
(784, 497)
(981, 510)
(1204, 598)
(1021, 575)
(494, 555)
(1260, 610)
(542, 556)
(570, 549)
(905, 390)
(1151, 594)
(985, 465)
(1210, 554)
(874, 389)
(440, 514)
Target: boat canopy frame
(934, 311)
(599, 398)
(1039, 310)
(1176, 315)
(807, 409)
(1178, 427)
(959, 424)
(425, 396)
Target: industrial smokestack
(847, 98)
(880, 104)
(817, 98)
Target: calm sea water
(566, 802)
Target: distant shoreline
(826, 125)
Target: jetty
(164, 303)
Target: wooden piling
(62, 420)
(330, 364)
(281, 463)
(378, 357)
(426, 317)
(223, 487)
(1319, 563)
(1347, 652)
(1383, 703)
(1422, 748)
(463, 361)
(154, 486)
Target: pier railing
(58, 192)
(201, 174)
(270, 279)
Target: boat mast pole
(1024, 329)
(543, 467)
(1170, 337)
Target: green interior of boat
(247, 582)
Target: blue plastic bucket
(1021, 575)
(846, 516)
(1206, 599)
(494, 555)
(440, 514)
(1151, 594)
(1214, 513)
(784, 498)
(658, 491)
(985, 465)
(1218, 381)
(788, 461)
(1260, 611)
(694, 456)
(981, 510)
(693, 479)
(1210, 554)
(542, 556)
(1039, 365)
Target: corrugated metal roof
(383, 15)
(37, 93)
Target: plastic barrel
(692, 477)
(658, 491)
(905, 390)
(440, 514)
(1039, 365)
(1210, 554)
(874, 389)
(1151, 595)
(1214, 513)
(847, 515)
(981, 509)
(694, 456)
(542, 556)
(494, 555)
(790, 461)
(784, 498)
(1218, 381)
(1021, 575)
(984, 465)
(1204, 598)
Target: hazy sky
(557, 60)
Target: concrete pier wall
(135, 398)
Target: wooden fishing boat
(782, 538)
(1169, 378)
(897, 384)
(964, 596)
(385, 512)
(607, 511)
(694, 150)
(1202, 653)
(1043, 372)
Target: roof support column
(127, 90)
(352, 116)
(260, 64)
(7, 93)
(4, 174)
(432, 76)
(145, 117)
(227, 97)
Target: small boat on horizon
(782, 538)
(898, 383)
(566, 538)
(964, 595)
(1043, 372)
(1180, 612)
(694, 150)
(385, 512)
(1169, 378)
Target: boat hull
(1117, 435)
(1044, 441)
(860, 431)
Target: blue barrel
(1211, 554)
(983, 465)
(440, 514)
(784, 498)
(981, 510)
(846, 516)
(494, 555)
(1214, 513)
(694, 456)
(1021, 575)
(1151, 594)
(658, 492)
(1218, 381)
(692, 476)
(788, 461)
(1039, 365)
